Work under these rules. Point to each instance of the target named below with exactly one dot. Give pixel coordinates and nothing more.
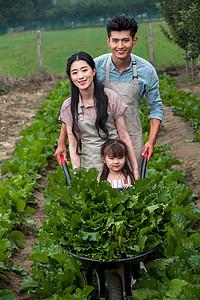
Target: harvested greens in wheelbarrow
(98, 222)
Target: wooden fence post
(152, 56)
(39, 47)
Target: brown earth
(179, 134)
(17, 109)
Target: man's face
(121, 43)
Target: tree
(19, 11)
(170, 11)
(29, 12)
(190, 21)
(183, 19)
(62, 9)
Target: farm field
(20, 113)
(19, 58)
(30, 170)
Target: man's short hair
(119, 23)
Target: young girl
(114, 155)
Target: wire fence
(63, 23)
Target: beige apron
(91, 142)
(129, 92)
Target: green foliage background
(41, 10)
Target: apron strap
(135, 76)
(80, 112)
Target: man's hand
(61, 150)
(149, 148)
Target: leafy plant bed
(184, 104)
(100, 223)
(23, 173)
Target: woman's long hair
(101, 100)
(115, 148)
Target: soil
(17, 109)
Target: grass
(19, 58)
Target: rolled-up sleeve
(65, 112)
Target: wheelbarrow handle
(66, 170)
(68, 177)
(144, 165)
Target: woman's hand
(61, 150)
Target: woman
(92, 114)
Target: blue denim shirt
(147, 81)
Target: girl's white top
(119, 183)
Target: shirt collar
(84, 104)
(113, 68)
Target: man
(131, 77)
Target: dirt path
(176, 132)
(16, 112)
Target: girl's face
(82, 74)
(114, 164)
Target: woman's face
(82, 74)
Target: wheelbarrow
(130, 266)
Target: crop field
(39, 212)
(94, 220)
(18, 53)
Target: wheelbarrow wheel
(115, 290)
